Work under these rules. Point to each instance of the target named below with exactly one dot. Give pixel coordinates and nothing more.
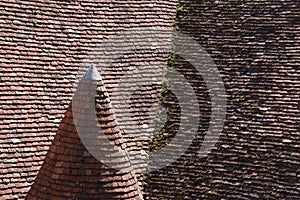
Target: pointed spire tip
(92, 74)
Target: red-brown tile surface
(42, 45)
(256, 47)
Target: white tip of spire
(92, 74)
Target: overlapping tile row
(255, 45)
(69, 170)
(43, 44)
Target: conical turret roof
(70, 171)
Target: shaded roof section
(69, 170)
(256, 47)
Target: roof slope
(256, 47)
(43, 44)
(69, 170)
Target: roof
(43, 45)
(255, 45)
